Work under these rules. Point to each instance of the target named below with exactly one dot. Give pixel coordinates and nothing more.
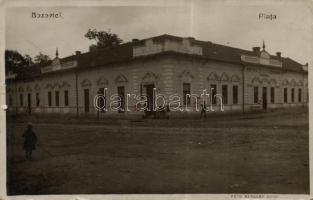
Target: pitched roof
(121, 53)
(291, 65)
(223, 53)
(210, 50)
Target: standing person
(265, 104)
(168, 110)
(30, 141)
(203, 110)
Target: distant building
(172, 65)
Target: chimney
(256, 49)
(92, 48)
(135, 40)
(278, 54)
(77, 53)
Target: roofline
(164, 36)
(155, 37)
(165, 53)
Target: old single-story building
(172, 65)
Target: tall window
(21, 100)
(235, 94)
(57, 98)
(86, 98)
(272, 94)
(299, 95)
(49, 99)
(102, 100)
(225, 94)
(65, 97)
(256, 94)
(285, 95)
(121, 94)
(213, 93)
(292, 95)
(186, 93)
(37, 99)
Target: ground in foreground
(252, 153)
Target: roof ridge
(211, 50)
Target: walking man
(30, 141)
(203, 110)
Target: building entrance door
(121, 94)
(86, 100)
(150, 97)
(264, 98)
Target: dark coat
(30, 140)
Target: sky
(229, 22)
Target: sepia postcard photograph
(152, 98)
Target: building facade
(173, 66)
